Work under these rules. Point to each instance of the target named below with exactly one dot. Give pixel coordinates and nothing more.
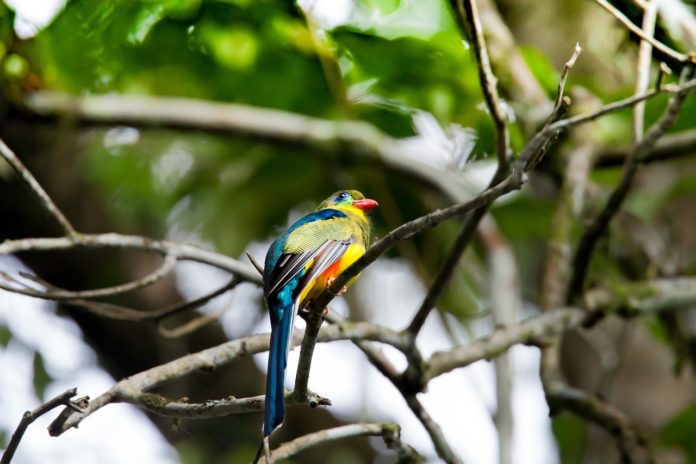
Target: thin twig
(643, 67)
(675, 55)
(62, 295)
(215, 357)
(471, 223)
(671, 146)
(444, 450)
(391, 434)
(46, 202)
(469, 19)
(560, 91)
(208, 409)
(506, 303)
(632, 445)
(64, 399)
(596, 230)
(112, 240)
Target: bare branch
(643, 71)
(64, 399)
(593, 233)
(112, 240)
(391, 433)
(40, 193)
(560, 91)
(128, 389)
(669, 147)
(635, 298)
(208, 409)
(471, 223)
(632, 445)
(675, 55)
(530, 331)
(355, 137)
(62, 295)
(510, 65)
(441, 446)
(469, 19)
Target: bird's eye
(341, 196)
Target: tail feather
(274, 411)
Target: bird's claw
(329, 282)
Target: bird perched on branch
(301, 264)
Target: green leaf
(542, 69)
(571, 436)
(679, 432)
(5, 335)
(41, 376)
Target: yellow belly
(319, 284)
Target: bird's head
(348, 198)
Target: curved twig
(48, 205)
(675, 55)
(62, 295)
(180, 251)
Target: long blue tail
(281, 330)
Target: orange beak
(366, 204)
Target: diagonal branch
(673, 54)
(595, 231)
(390, 433)
(48, 205)
(64, 399)
(468, 18)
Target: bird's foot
(330, 281)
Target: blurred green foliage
(385, 61)
(679, 432)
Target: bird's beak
(366, 204)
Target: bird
(300, 265)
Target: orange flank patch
(315, 288)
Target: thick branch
(632, 444)
(130, 388)
(270, 125)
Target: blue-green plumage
(281, 305)
(299, 261)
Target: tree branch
(64, 399)
(591, 236)
(669, 147)
(673, 54)
(632, 445)
(62, 295)
(390, 433)
(468, 18)
(643, 67)
(130, 388)
(35, 187)
(344, 136)
(112, 240)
